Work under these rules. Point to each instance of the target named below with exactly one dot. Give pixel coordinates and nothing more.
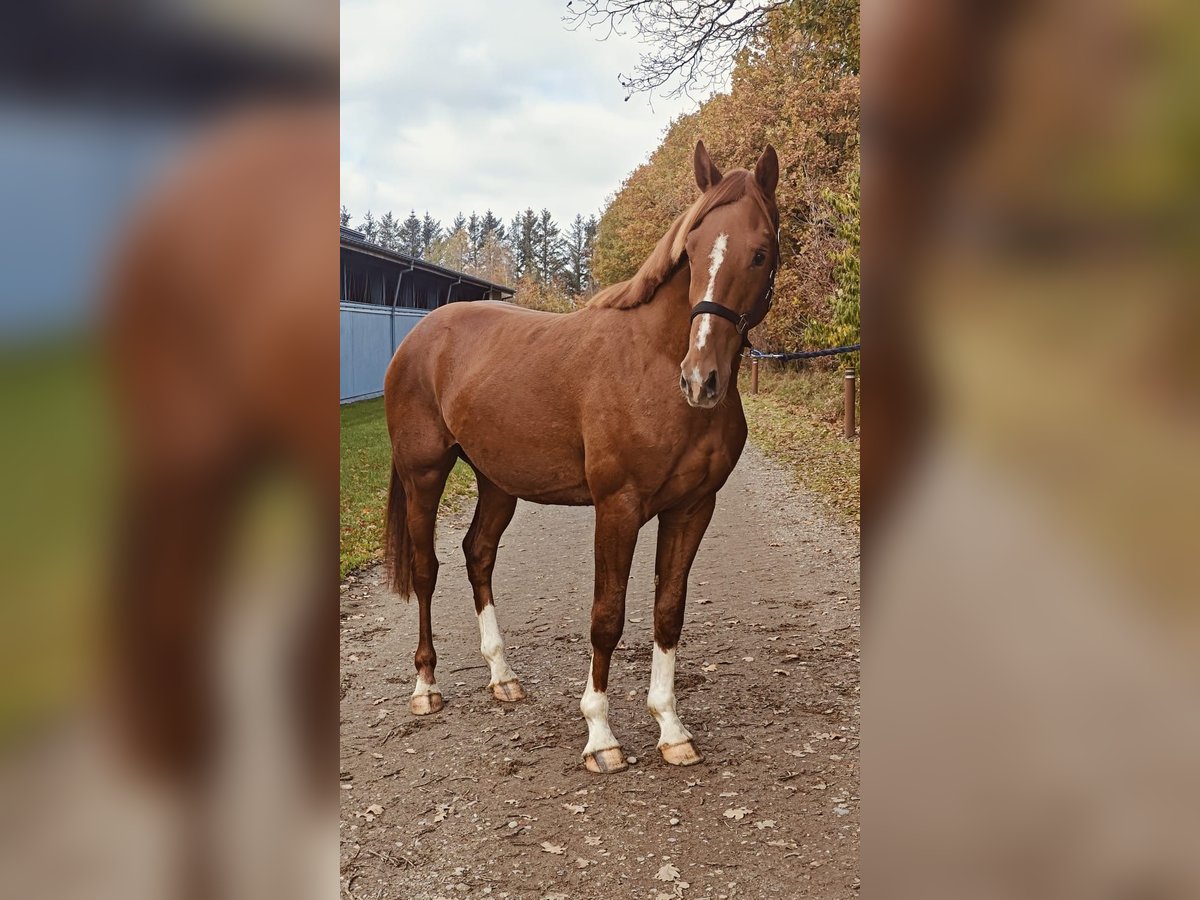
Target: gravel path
(492, 800)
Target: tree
(522, 240)
(451, 251)
(409, 235)
(845, 302)
(495, 260)
(548, 249)
(577, 246)
(474, 236)
(692, 45)
(431, 232)
(787, 94)
(370, 228)
(489, 224)
(388, 231)
(695, 46)
(345, 216)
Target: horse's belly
(529, 468)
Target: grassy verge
(796, 417)
(366, 466)
(54, 525)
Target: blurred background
(168, 383)
(1030, 437)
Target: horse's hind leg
(423, 489)
(493, 512)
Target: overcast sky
(450, 107)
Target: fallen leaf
(591, 840)
(575, 807)
(376, 809)
(553, 848)
(765, 823)
(711, 667)
(668, 873)
(738, 813)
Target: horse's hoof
(508, 691)
(605, 762)
(426, 704)
(682, 754)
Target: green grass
(366, 467)
(796, 417)
(56, 477)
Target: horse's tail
(398, 552)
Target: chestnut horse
(583, 409)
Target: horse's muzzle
(702, 393)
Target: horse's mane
(670, 249)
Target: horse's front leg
(617, 524)
(679, 535)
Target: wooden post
(849, 400)
(754, 376)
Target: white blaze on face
(661, 698)
(594, 707)
(491, 645)
(715, 258)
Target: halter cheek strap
(743, 322)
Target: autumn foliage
(797, 89)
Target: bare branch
(691, 45)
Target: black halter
(745, 321)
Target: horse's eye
(759, 257)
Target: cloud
(477, 105)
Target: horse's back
(494, 379)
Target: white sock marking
(594, 707)
(423, 687)
(661, 698)
(715, 258)
(491, 645)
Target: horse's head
(733, 250)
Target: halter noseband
(745, 321)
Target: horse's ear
(707, 174)
(766, 173)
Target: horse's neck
(668, 313)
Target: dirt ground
(491, 800)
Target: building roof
(356, 240)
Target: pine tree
(548, 251)
(489, 225)
(431, 232)
(345, 215)
(577, 250)
(409, 238)
(388, 232)
(522, 238)
(458, 224)
(370, 228)
(475, 236)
